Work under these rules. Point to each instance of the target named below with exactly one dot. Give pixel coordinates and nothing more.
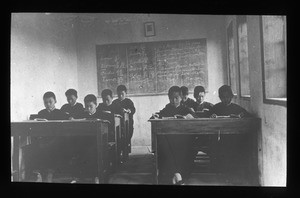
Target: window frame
(230, 80)
(246, 97)
(265, 99)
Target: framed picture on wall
(149, 29)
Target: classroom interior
(57, 51)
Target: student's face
(175, 99)
(226, 98)
(184, 97)
(200, 97)
(49, 103)
(121, 95)
(107, 100)
(71, 100)
(90, 107)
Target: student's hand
(241, 115)
(155, 116)
(124, 110)
(234, 116)
(192, 110)
(213, 115)
(189, 116)
(107, 111)
(128, 111)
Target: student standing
(124, 105)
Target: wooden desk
(22, 131)
(208, 126)
(114, 137)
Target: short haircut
(90, 98)
(174, 89)
(106, 92)
(49, 94)
(122, 88)
(225, 88)
(184, 90)
(197, 90)
(71, 92)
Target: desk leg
(18, 160)
(100, 168)
(156, 171)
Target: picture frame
(149, 28)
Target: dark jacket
(74, 111)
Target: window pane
(231, 59)
(274, 42)
(243, 56)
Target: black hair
(197, 90)
(49, 94)
(90, 98)
(225, 88)
(122, 88)
(174, 89)
(71, 92)
(106, 92)
(184, 90)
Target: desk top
(204, 125)
(62, 121)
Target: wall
(272, 145)
(43, 58)
(97, 29)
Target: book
(40, 119)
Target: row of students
(75, 110)
(175, 152)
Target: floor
(139, 170)
(140, 167)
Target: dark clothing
(86, 115)
(102, 107)
(222, 110)
(174, 151)
(56, 114)
(73, 111)
(189, 103)
(117, 106)
(126, 104)
(46, 152)
(224, 152)
(202, 110)
(170, 110)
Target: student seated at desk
(226, 107)
(225, 150)
(176, 152)
(201, 107)
(124, 105)
(50, 112)
(106, 105)
(44, 154)
(105, 109)
(186, 101)
(73, 109)
(85, 159)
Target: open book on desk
(40, 119)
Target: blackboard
(152, 67)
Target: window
(273, 31)
(243, 56)
(231, 59)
